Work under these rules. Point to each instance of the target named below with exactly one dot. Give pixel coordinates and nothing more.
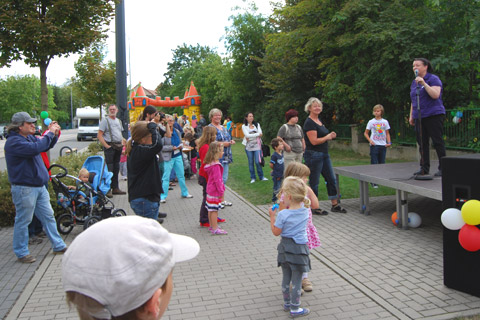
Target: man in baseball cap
(123, 267)
(28, 177)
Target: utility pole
(71, 106)
(121, 66)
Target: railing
(461, 129)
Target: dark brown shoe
(60, 251)
(27, 259)
(118, 191)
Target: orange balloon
(395, 218)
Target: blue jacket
(24, 164)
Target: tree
(95, 78)
(22, 93)
(245, 40)
(38, 30)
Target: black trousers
(432, 128)
(112, 159)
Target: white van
(88, 122)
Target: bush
(73, 163)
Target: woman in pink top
(215, 186)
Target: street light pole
(71, 106)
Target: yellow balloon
(471, 212)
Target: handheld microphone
(416, 72)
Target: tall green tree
(22, 93)
(245, 42)
(95, 79)
(38, 30)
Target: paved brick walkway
(365, 269)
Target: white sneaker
(163, 201)
(264, 179)
(188, 196)
(252, 181)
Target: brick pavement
(365, 269)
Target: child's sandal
(339, 209)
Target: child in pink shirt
(215, 186)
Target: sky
(153, 29)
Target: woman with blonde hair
(316, 154)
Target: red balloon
(395, 218)
(469, 238)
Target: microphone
(416, 72)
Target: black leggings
(432, 128)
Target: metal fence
(461, 129)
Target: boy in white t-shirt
(378, 135)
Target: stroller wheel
(118, 213)
(90, 221)
(65, 223)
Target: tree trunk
(43, 88)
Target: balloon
(471, 212)
(44, 114)
(459, 114)
(452, 113)
(469, 238)
(452, 219)
(456, 120)
(47, 121)
(395, 218)
(414, 220)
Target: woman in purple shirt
(432, 113)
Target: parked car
(2, 131)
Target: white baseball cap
(120, 262)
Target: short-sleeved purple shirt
(428, 106)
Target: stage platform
(398, 176)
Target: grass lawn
(260, 192)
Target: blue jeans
(254, 158)
(176, 163)
(320, 163)
(377, 154)
(145, 208)
(225, 173)
(27, 201)
(277, 184)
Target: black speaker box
(460, 183)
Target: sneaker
(226, 203)
(300, 312)
(220, 219)
(420, 173)
(438, 173)
(109, 194)
(219, 231)
(162, 215)
(62, 251)
(118, 191)
(163, 200)
(34, 240)
(204, 224)
(374, 185)
(27, 259)
(264, 179)
(210, 229)
(319, 212)
(252, 181)
(188, 196)
(222, 206)
(307, 285)
(286, 307)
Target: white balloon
(456, 120)
(452, 219)
(414, 220)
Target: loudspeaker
(460, 183)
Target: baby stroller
(87, 204)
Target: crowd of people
(154, 154)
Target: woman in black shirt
(316, 153)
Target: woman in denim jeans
(316, 153)
(252, 134)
